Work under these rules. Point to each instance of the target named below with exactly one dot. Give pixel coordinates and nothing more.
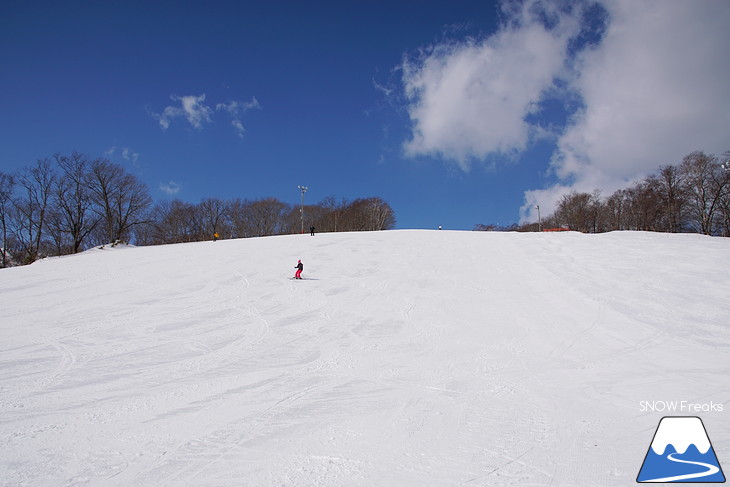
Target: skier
(311, 230)
(299, 267)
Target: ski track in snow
(408, 358)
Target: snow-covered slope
(405, 358)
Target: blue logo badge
(681, 452)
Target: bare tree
(367, 214)
(258, 218)
(121, 199)
(74, 207)
(7, 184)
(725, 198)
(579, 211)
(692, 196)
(645, 205)
(213, 214)
(724, 213)
(173, 222)
(238, 219)
(266, 216)
(354, 217)
(31, 207)
(615, 209)
(330, 219)
(58, 241)
(314, 215)
(91, 202)
(707, 183)
(380, 214)
(673, 192)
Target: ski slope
(406, 358)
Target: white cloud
(129, 155)
(170, 188)
(197, 113)
(382, 88)
(124, 152)
(470, 100)
(235, 109)
(195, 110)
(548, 200)
(192, 108)
(651, 88)
(238, 127)
(654, 90)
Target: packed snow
(406, 358)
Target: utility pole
(303, 189)
(539, 220)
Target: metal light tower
(539, 220)
(303, 189)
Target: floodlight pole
(303, 189)
(539, 219)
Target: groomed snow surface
(406, 358)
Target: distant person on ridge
(216, 236)
(311, 231)
(299, 267)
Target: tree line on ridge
(67, 204)
(690, 197)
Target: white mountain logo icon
(681, 452)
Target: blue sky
(456, 113)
